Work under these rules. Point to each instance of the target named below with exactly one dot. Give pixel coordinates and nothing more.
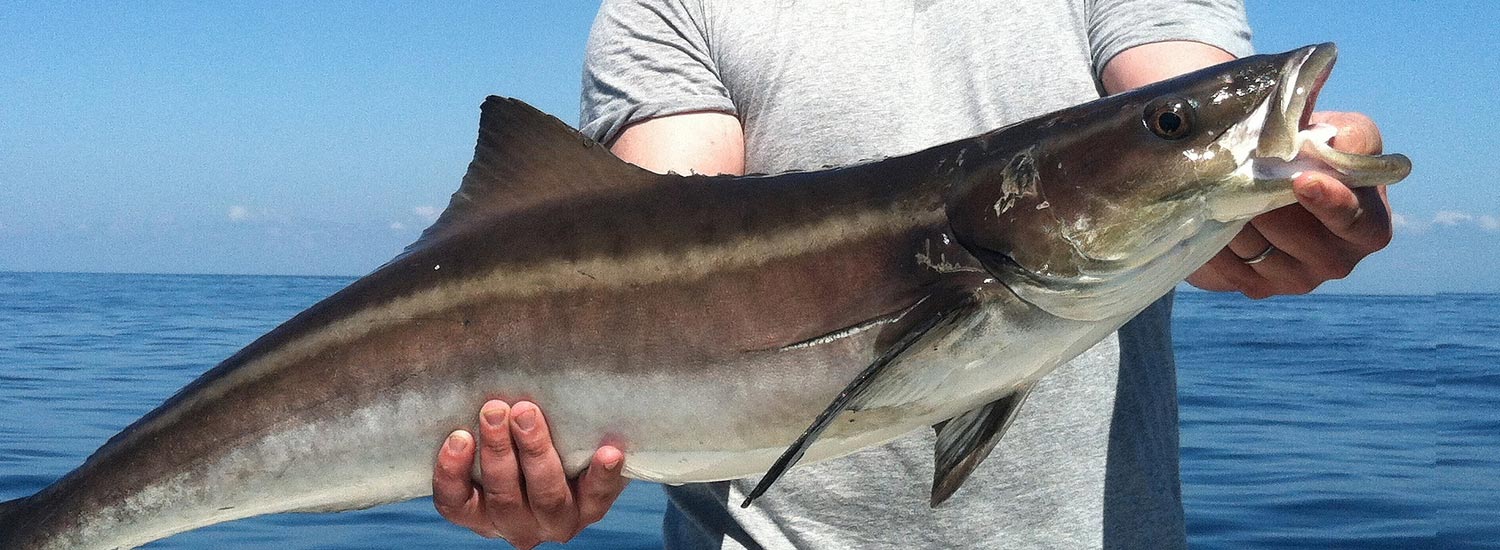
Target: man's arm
(523, 495)
(702, 143)
(1320, 238)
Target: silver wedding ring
(1258, 258)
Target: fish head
(1095, 211)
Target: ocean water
(1307, 422)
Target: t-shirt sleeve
(1118, 25)
(647, 59)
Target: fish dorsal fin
(524, 158)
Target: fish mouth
(1292, 144)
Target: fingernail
(495, 415)
(1313, 191)
(610, 465)
(457, 443)
(526, 420)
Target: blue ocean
(1324, 421)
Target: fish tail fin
(12, 520)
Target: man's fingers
(1227, 270)
(1357, 133)
(601, 484)
(453, 492)
(1231, 271)
(1358, 216)
(1248, 243)
(1320, 254)
(1208, 278)
(500, 477)
(547, 490)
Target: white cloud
(1460, 219)
(1451, 218)
(397, 226)
(429, 213)
(1400, 221)
(238, 213)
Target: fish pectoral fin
(965, 440)
(930, 316)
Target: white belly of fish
(981, 361)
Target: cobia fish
(718, 327)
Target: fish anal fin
(928, 317)
(526, 157)
(967, 439)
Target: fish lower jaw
(1269, 178)
(1315, 153)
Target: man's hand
(523, 495)
(1322, 237)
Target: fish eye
(1170, 118)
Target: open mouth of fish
(1291, 143)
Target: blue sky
(320, 138)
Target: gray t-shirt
(1092, 460)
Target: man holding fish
(717, 87)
